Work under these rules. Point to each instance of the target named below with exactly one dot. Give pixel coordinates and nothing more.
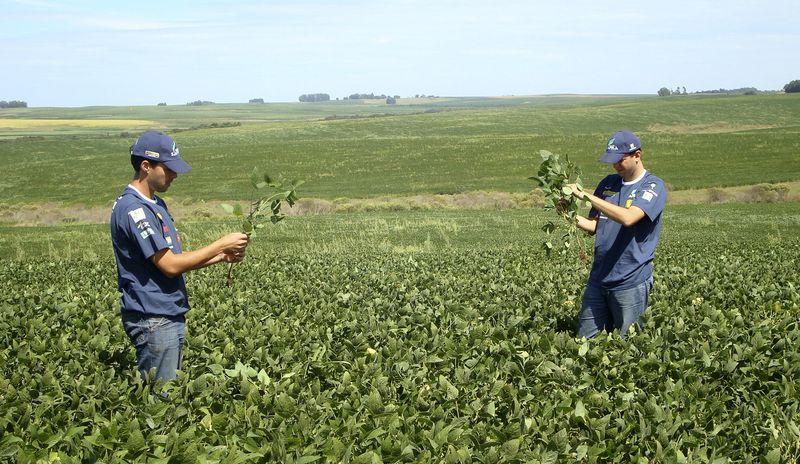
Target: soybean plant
(269, 195)
(554, 176)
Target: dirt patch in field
(48, 214)
(759, 193)
(711, 128)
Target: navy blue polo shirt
(140, 227)
(623, 256)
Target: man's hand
(233, 257)
(577, 192)
(234, 244)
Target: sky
(87, 52)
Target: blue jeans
(604, 309)
(158, 341)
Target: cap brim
(612, 157)
(178, 165)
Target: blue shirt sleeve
(600, 192)
(651, 197)
(145, 228)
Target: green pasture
(104, 120)
(691, 142)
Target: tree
(391, 101)
(13, 104)
(664, 92)
(315, 97)
(256, 100)
(792, 87)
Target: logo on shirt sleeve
(137, 214)
(142, 224)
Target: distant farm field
(691, 142)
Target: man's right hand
(234, 243)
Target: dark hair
(136, 162)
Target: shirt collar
(142, 195)
(635, 180)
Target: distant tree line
(256, 100)
(315, 97)
(665, 92)
(366, 96)
(13, 104)
(792, 87)
(739, 91)
(200, 103)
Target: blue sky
(81, 53)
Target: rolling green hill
(691, 142)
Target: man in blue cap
(150, 261)
(626, 221)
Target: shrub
(718, 195)
(769, 193)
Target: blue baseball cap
(158, 146)
(620, 144)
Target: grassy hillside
(691, 142)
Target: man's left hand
(577, 192)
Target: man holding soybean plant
(626, 220)
(150, 260)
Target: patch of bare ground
(48, 214)
(759, 193)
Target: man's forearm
(587, 225)
(625, 216)
(173, 265)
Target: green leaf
(255, 177)
(9, 445)
(375, 434)
(580, 410)
(581, 451)
(307, 459)
(228, 208)
(510, 448)
(774, 456)
(583, 349)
